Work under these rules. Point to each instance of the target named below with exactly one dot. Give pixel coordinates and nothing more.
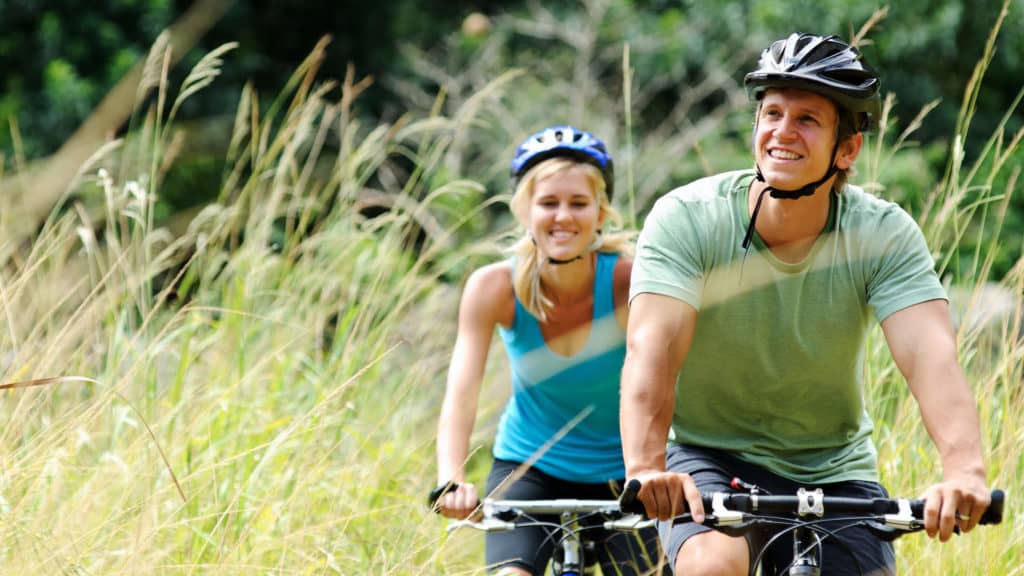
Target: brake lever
(725, 526)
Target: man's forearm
(950, 415)
(648, 399)
(659, 335)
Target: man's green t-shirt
(774, 373)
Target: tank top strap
(604, 284)
(525, 329)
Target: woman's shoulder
(495, 274)
(490, 288)
(623, 267)
(620, 278)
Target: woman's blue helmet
(563, 141)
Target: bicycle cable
(816, 526)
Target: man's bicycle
(578, 521)
(803, 516)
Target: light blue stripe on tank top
(550, 391)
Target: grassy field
(257, 392)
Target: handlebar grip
(628, 501)
(440, 491)
(994, 513)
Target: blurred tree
(59, 59)
(61, 56)
(687, 59)
(275, 35)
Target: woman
(560, 307)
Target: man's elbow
(646, 341)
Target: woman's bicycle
(575, 548)
(803, 515)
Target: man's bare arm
(923, 344)
(659, 335)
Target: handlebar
(556, 506)
(726, 507)
(502, 515)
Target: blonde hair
(526, 278)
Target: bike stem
(806, 553)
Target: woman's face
(564, 214)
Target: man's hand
(666, 495)
(957, 501)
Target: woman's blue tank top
(550, 391)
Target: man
(751, 296)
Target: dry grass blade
(82, 379)
(44, 382)
(525, 466)
(859, 38)
(202, 75)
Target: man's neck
(790, 227)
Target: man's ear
(848, 151)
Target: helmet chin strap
(806, 190)
(560, 262)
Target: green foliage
(686, 61)
(61, 57)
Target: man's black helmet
(567, 141)
(822, 64)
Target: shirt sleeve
(668, 256)
(905, 271)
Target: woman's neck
(567, 283)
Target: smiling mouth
(783, 155)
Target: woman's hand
(457, 500)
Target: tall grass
(967, 201)
(245, 397)
(257, 394)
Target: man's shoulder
(712, 187)
(717, 190)
(864, 206)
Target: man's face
(795, 134)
